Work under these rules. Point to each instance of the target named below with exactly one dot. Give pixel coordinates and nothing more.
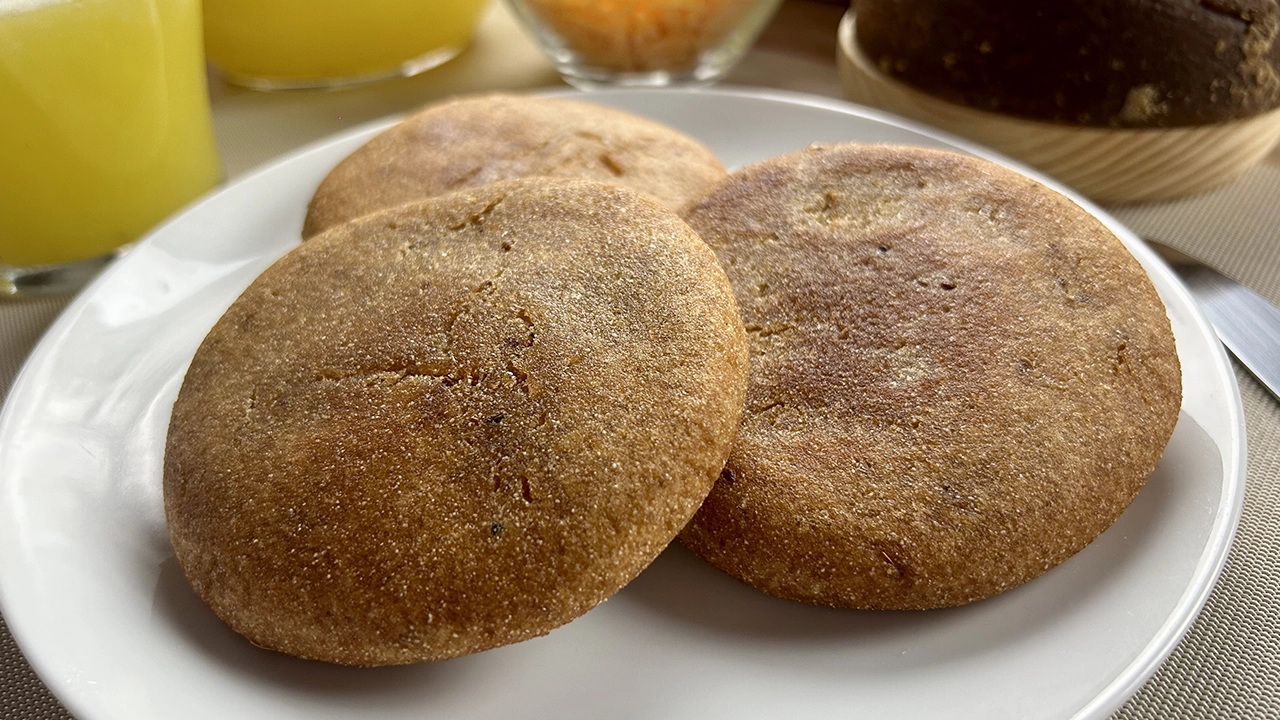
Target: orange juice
(104, 123)
(300, 42)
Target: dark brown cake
(959, 378)
(454, 425)
(1120, 63)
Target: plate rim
(1111, 697)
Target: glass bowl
(644, 43)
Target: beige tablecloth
(1228, 665)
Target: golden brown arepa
(959, 378)
(477, 140)
(454, 425)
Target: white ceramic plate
(95, 598)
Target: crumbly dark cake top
(1108, 63)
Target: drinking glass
(297, 44)
(104, 131)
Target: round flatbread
(478, 140)
(454, 425)
(959, 378)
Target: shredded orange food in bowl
(641, 35)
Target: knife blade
(1247, 323)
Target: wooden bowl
(1109, 165)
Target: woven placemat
(22, 695)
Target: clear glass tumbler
(644, 43)
(298, 44)
(104, 131)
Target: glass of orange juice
(104, 131)
(294, 44)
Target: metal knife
(1247, 323)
